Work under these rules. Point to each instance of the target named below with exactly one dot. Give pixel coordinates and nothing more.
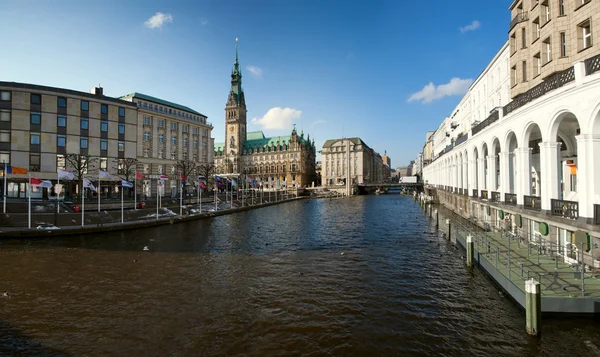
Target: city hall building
(524, 141)
(280, 160)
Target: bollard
(449, 227)
(437, 221)
(469, 251)
(533, 307)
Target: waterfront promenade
(45, 221)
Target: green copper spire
(236, 79)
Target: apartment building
(356, 162)
(40, 125)
(547, 37)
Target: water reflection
(269, 282)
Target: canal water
(366, 276)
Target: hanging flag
(40, 183)
(126, 184)
(65, 175)
(233, 183)
(139, 176)
(182, 177)
(104, 175)
(217, 178)
(88, 184)
(15, 170)
(202, 185)
(164, 177)
(248, 179)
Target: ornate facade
(274, 161)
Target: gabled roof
(257, 138)
(161, 102)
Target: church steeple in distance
(235, 118)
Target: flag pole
(29, 203)
(215, 194)
(57, 192)
(122, 220)
(99, 190)
(200, 204)
(82, 204)
(198, 193)
(180, 197)
(4, 191)
(157, 196)
(135, 191)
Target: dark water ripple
(268, 282)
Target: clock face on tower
(231, 128)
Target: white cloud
(317, 122)
(254, 71)
(204, 22)
(158, 20)
(430, 92)
(278, 118)
(472, 27)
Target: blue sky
(335, 68)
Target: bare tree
(208, 171)
(187, 168)
(79, 165)
(127, 167)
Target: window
(121, 111)
(185, 128)
(83, 143)
(103, 108)
(61, 141)
(545, 12)
(173, 126)
(84, 124)
(35, 138)
(61, 164)
(161, 138)
(103, 144)
(160, 154)
(195, 144)
(146, 152)
(146, 120)
(104, 126)
(584, 30)
(537, 62)
(103, 163)
(561, 7)
(61, 121)
(524, 66)
(4, 115)
(161, 123)
(121, 146)
(5, 96)
(36, 118)
(185, 142)
(146, 136)
(5, 157)
(160, 169)
(523, 38)
(563, 44)
(36, 99)
(513, 71)
(34, 162)
(122, 129)
(85, 105)
(547, 54)
(61, 102)
(4, 136)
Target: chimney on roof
(97, 91)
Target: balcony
(488, 121)
(510, 199)
(592, 65)
(532, 202)
(484, 195)
(495, 196)
(550, 83)
(567, 209)
(461, 139)
(520, 17)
